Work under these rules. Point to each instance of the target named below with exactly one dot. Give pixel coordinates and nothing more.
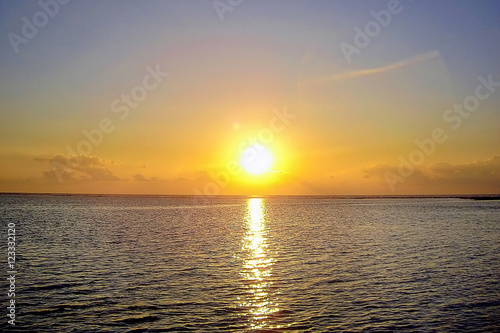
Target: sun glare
(256, 159)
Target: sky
(169, 97)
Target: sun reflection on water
(256, 271)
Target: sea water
(238, 264)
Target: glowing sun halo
(256, 159)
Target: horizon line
(338, 196)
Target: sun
(256, 159)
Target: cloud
(474, 172)
(373, 71)
(475, 176)
(82, 160)
(140, 178)
(81, 168)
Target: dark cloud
(81, 168)
(139, 177)
(476, 176)
(478, 171)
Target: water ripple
(136, 264)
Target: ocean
(251, 264)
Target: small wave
(471, 305)
(137, 320)
(332, 281)
(143, 307)
(53, 286)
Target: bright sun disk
(256, 159)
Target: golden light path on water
(256, 271)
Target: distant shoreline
(479, 197)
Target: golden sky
(382, 97)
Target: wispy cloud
(373, 71)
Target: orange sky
(164, 98)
